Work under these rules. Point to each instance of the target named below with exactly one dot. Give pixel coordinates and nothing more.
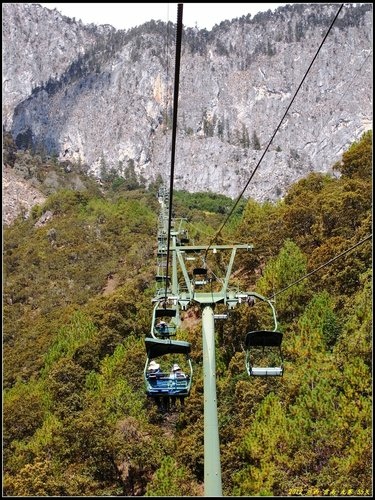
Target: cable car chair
(200, 276)
(261, 340)
(165, 320)
(160, 383)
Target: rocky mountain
(39, 44)
(103, 98)
(19, 195)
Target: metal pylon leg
(212, 467)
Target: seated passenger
(162, 327)
(153, 368)
(176, 372)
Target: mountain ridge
(111, 107)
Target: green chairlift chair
(264, 357)
(161, 384)
(260, 341)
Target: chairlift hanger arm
(185, 274)
(246, 295)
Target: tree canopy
(77, 306)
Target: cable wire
(174, 129)
(321, 267)
(275, 132)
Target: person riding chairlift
(162, 327)
(162, 401)
(176, 372)
(153, 367)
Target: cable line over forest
(174, 126)
(323, 265)
(276, 130)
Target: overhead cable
(174, 129)
(275, 132)
(321, 267)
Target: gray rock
(108, 101)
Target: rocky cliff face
(103, 97)
(19, 195)
(39, 44)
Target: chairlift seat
(200, 282)
(160, 383)
(270, 371)
(221, 316)
(163, 384)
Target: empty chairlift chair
(264, 357)
(184, 238)
(262, 347)
(200, 276)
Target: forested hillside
(77, 306)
